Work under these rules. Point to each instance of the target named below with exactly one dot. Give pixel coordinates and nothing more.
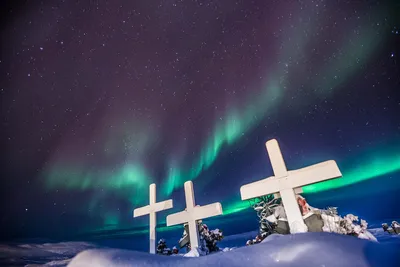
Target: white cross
(151, 209)
(192, 213)
(288, 183)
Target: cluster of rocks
(207, 241)
(162, 248)
(258, 239)
(207, 238)
(272, 217)
(394, 229)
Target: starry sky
(101, 98)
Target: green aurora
(131, 178)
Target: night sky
(101, 98)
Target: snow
(347, 225)
(330, 223)
(271, 238)
(195, 252)
(49, 254)
(275, 250)
(228, 249)
(303, 249)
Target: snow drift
(48, 254)
(306, 249)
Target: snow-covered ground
(309, 249)
(299, 250)
(50, 254)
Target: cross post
(192, 213)
(152, 209)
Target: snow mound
(228, 249)
(271, 238)
(306, 249)
(62, 248)
(194, 253)
(49, 254)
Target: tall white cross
(151, 209)
(192, 213)
(288, 183)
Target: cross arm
(163, 205)
(142, 211)
(156, 207)
(323, 171)
(260, 188)
(197, 213)
(297, 190)
(178, 218)
(207, 211)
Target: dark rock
(282, 227)
(314, 223)
(396, 227)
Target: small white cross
(192, 213)
(151, 210)
(288, 183)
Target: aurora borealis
(100, 99)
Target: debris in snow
(273, 220)
(394, 229)
(208, 239)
